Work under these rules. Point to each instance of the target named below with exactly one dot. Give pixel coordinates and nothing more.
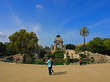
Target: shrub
(92, 59)
(57, 54)
(58, 61)
(74, 60)
(40, 61)
(68, 59)
(82, 55)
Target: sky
(48, 18)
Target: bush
(74, 60)
(84, 62)
(82, 55)
(43, 59)
(67, 63)
(68, 59)
(40, 61)
(58, 54)
(29, 62)
(58, 61)
(92, 59)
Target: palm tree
(84, 32)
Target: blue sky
(47, 18)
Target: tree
(96, 46)
(24, 42)
(2, 49)
(10, 50)
(77, 50)
(42, 53)
(106, 43)
(84, 32)
(70, 46)
(47, 49)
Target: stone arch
(58, 43)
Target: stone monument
(58, 43)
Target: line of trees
(24, 43)
(97, 45)
(27, 43)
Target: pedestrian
(5, 59)
(17, 60)
(49, 65)
(80, 62)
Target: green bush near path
(57, 54)
(58, 61)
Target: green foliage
(24, 42)
(77, 49)
(68, 59)
(74, 60)
(84, 62)
(40, 61)
(96, 46)
(2, 49)
(58, 49)
(42, 53)
(67, 63)
(106, 43)
(82, 48)
(51, 55)
(70, 46)
(58, 61)
(47, 49)
(82, 55)
(92, 57)
(58, 54)
(43, 59)
(10, 50)
(84, 31)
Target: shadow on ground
(60, 73)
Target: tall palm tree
(84, 32)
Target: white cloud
(2, 34)
(33, 27)
(99, 23)
(36, 28)
(39, 6)
(3, 37)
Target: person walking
(80, 62)
(17, 60)
(49, 65)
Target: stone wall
(71, 54)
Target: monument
(58, 43)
